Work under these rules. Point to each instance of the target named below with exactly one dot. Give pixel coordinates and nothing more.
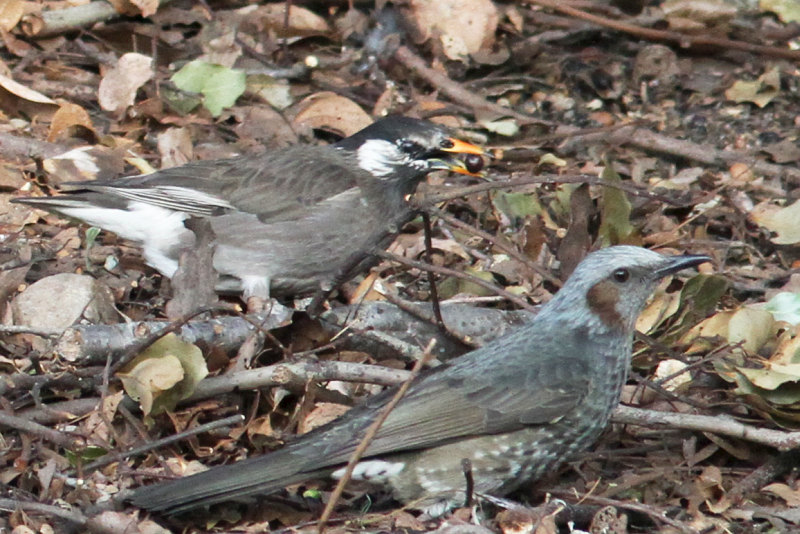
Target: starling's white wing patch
(158, 229)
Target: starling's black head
(397, 146)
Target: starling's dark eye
(446, 144)
(621, 275)
(410, 147)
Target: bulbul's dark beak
(679, 263)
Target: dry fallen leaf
(119, 85)
(781, 221)
(331, 111)
(67, 117)
(463, 26)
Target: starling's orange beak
(462, 147)
(471, 164)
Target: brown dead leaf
(463, 26)
(785, 151)
(781, 221)
(302, 22)
(329, 111)
(11, 12)
(132, 8)
(787, 493)
(119, 85)
(709, 484)
(21, 91)
(175, 147)
(323, 412)
(65, 120)
(146, 7)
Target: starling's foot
(256, 304)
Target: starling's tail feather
(78, 199)
(261, 475)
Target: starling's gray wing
(276, 186)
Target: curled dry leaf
(302, 22)
(132, 8)
(175, 147)
(463, 26)
(331, 111)
(760, 92)
(65, 120)
(787, 10)
(23, 92)
(11, 12)
(119, 85)
(164, 374)
(781, 221)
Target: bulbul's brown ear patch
(602, 299)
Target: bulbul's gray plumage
(516, 408)
(287, 222)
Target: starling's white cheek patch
(374, 470)
(158, 229)
(379, 157)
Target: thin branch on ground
(518, 181)
(303, 371)
(456, 91)
(62, 439)
(11, 505)
(681, 39)
(457, 274)
(499, 243)
(137, 451)
(719, 424)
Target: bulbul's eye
(621, 275)
(410, 147)
(446, 144)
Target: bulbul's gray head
(396, 146)
(610, 287)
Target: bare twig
(86, 344)
(369, 435)
(280, 374)
(11, 505)
(683, 40)
(459, 94)
(723, 425)
(522, 180)
(499, 243)
(23, 329)
(655, 142)
(457, 274)
(62, 439)
(136, 451)
(437, 312)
